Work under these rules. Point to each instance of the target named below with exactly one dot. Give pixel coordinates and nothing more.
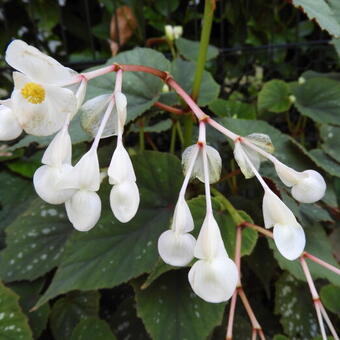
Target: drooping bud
(9, 125)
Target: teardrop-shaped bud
(83, 209)
(242, 157)
(209, 242)
(121, 104)
(275, 211)
(9, 125)
(59, 150)
(213, 158)
(176, 249)
(124, 201)
(290, 240)
(310, 188)
(182, 221)
(287, 175)
(48, 181)
(214, 281)
(121, 168)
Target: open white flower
(307, 186)
(9, 125)
(39, 101)
(289, 236)
(214, 277)
(124, 196)
(214, 162)
(176, 246)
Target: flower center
(33, 92)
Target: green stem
(180, 133)
(202, 57)
(173, 138)
(229, 207)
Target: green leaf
(331, 141)
(322, 12)
(35, 241)
(189, 49)
(318, 244)
(274, 96)
(92, 328)
(183, 72)
(325, 162)
(230, 108)
(166, 7)
(69, 310)
(170, 310)
(13, 322)
(129, 249)
(141, 89)
(280, 337)
(293, 302)
(29, 294)
(330, 298)
(319, 99)
(161, 126)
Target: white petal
(169, 32)
(176, 249)
(83, 209)
(290, 240)
(287, 175)
(261, 140)
(182, 220)
(47, 181)
(178, 31)
(209, 242)
(47, 117)
(92, 113)
(121, 103)
(214, 162)
(214, 281)
(121, 168)
(310, 188)
(241, 155)
(275, 211)
(59, 150)
(124, 201)
(86, 173)
(80, 93)
(9, 125)
(36, 65)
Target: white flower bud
(209, 242)
(214, 163)
(48, 183)
(124, 200)
(307, 186)
(59, 150)
(83, 209)
(121, 104)
(169, 32)
(9, 125)
(176, 249)
(301, 80)
(182, 221)
(121, 168)
(177, 31)
(214, 281)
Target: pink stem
(328, 322)
(322, 263)
(229, 334)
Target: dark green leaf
(189, 49)
(13, 322)
(113, 252)
(230, 108)
(69, 310)
(92, 328)
(330, 298)
(325, 162)
(170, 310)
(274, 96)
(331, 140)
(166, 7)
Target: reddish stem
(169, 108)
(321, 262)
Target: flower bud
(182, 221)
(214, 281)
(83, 209)
(124, 200)
(214, 162)
(121, 104)
(9, 125)
(176, 249)
(48, 183)
(178, 31)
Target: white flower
(173, 32)
(288, 234)
(176, 246)
(124, 196)
(214, 277)
(214, 162)
(9, 125)
(307, 186)
(39, 101)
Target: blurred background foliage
(269, 69)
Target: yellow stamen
(33, 92)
